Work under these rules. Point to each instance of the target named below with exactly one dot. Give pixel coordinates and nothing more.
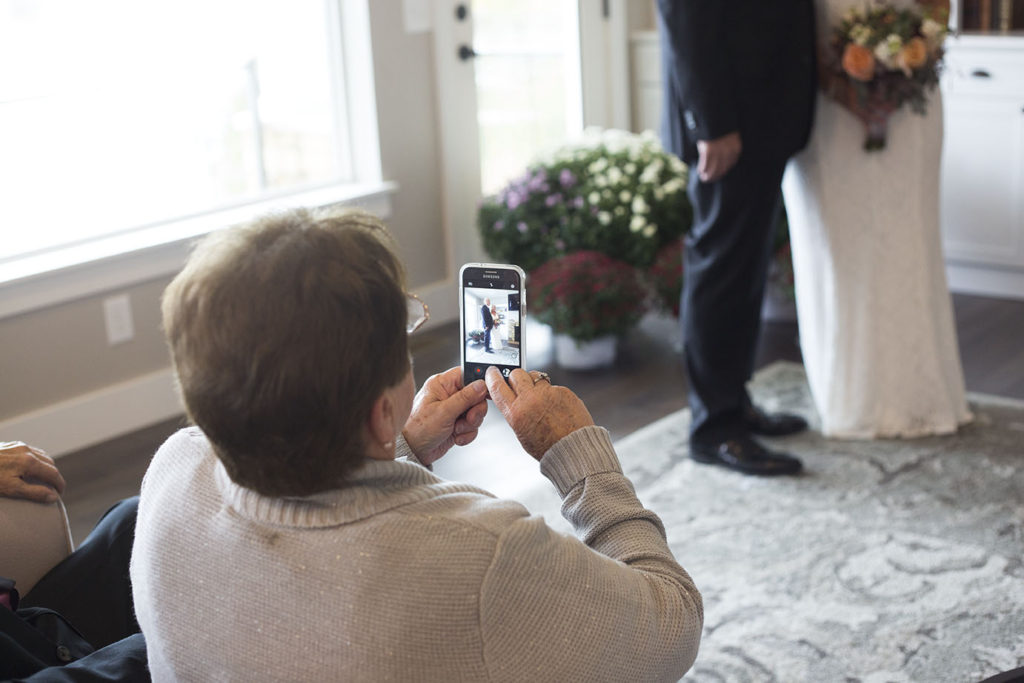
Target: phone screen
(493, 305)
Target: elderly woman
(297, 533)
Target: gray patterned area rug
(886, 561)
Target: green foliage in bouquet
(614, 192)
(587, 294)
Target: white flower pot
(587, 355)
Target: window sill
(42, 280)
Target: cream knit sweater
(405, 577)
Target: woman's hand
(29, 473)
(539, 414)
(445, 414)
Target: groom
(485, 313)
(739, 97)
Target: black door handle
(981, 73)
(466, 52)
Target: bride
(875, 316)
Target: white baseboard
(985, 280)
(97, 416)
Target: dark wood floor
(647, 382)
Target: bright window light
(121, 114)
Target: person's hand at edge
(445, 414)
(540, 414)
(718, 156)
(28, 473)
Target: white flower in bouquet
(888, 51)
(625, 197)
(604, 218)
(860, 34)
(639, 205)
(637, 224)
(934, 33)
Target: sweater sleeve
(616, 606)
(405, 454)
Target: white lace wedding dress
(875, 315)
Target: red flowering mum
(587, 294)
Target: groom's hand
(718, 156)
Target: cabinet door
(983, 180)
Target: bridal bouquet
(881, 58)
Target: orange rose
(914, 53)
(858, 62)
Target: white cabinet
(983, 165)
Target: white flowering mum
(594, 197)
(650, 230)
(672, 186)
(614, 176)
(637, 223)
(652, 171)
(625, 197)
(604, 218)
(640, 205)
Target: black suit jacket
(485, 313)
(746, 65)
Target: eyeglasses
(419, 313)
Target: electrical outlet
(117, 313)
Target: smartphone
(492, 314)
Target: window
(120, 115)
(528, 82)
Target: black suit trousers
(725, 267)
(80, 610)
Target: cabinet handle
(981, 73)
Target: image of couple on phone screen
(492, 326)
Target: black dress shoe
(772, 424)
(743, 454)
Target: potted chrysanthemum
(611, 192)
(589, 299)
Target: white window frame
(151, 252)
